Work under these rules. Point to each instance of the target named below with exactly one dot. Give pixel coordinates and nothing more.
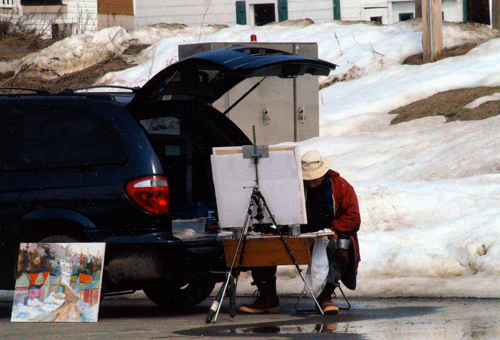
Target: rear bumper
(132, 259)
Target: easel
(256, 200)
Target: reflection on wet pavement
(291, 329)
(393, 319)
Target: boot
(325, 299)
(266, 302)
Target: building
(60, 18)
(56, 18)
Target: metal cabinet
(282, 110)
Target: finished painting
(58, 282)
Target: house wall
(115, 13)
(74, 16)
(453, 10)
(389, 10)
(86, 16)
(400, 7)
(189, 12)
(315, 10)
(110, 20)
(82, 14)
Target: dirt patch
(418, 59)
(450, 104)
(82, 78)
(14, 48)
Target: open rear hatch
(175, 109)
(207, 76)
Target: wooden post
(432, 29)
(418, 8)
(495, 14)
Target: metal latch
(301, 116)
(266, 118)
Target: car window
(38, 138)
(162, 126)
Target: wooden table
(267, 251)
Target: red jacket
(346, 210)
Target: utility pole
(418, 8)
(432, 28)
(495, 14)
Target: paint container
(343, 243)
(237, 233)
(294, 230)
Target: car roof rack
(27, 89)
(84, 88)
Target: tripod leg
(309, 291)
(232, 297)
(215, 308)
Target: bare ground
(448, 104)
(16, 48)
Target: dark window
(405, 16)
(376, 19)
(264, 14)
(41, 2)
(36, 138)
(478, 11)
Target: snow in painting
(58, 282)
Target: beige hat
(313, 165)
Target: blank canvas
(280, 182)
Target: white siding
(400, 7)
(7, 4)
(203, 12)
(82, 14)
(189, 12)
(453, 10)
(390, 9)
(321, 10)
(350, 9)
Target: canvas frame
(280, 182)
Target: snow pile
(429, 191)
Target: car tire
(175, 297)
(58, 239)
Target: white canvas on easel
(280, 182)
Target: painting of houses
(58, 282)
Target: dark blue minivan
(117, 167)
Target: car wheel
(176, 297)
(57, 239)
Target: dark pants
(265, 277)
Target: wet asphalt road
(137, 318)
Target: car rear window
(38, 138)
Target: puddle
(349, 325)
(391, 319)
(298, 329)
(289, 329)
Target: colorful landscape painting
(58, 282)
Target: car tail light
(151, 193)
